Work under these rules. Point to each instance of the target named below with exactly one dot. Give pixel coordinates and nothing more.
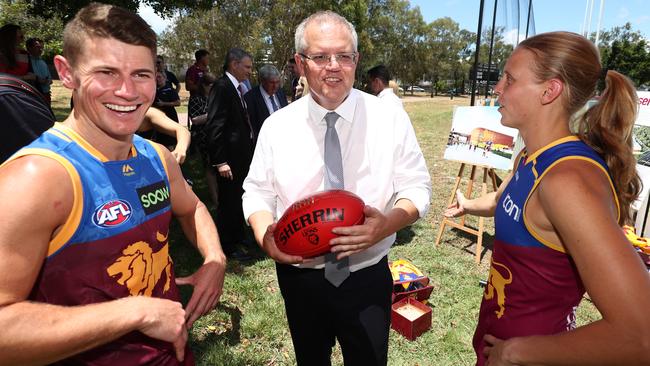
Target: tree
(626, 51)
(390, 32)
(397, 35)
(49, 29)
(216, 30)
(449, 47)
(65, 10)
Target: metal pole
(583, 29)
(478, 48)
(494, 18)
(591, 14)
(530, 8)
(600, 20)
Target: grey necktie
(274, 105)
(336, 271)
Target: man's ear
(64, 70)
(553, 90)
(299, 65)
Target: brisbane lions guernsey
(114, 243)
(533, 287)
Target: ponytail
(607, 128)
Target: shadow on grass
(488, 241)
(404, 236)
(221, 347)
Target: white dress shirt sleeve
(411, 180)
(259, 194)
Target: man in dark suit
(230, 139)
(265, 98)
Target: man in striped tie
(265, 98)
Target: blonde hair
(607, 126)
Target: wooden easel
(487, 171)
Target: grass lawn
(248, 327)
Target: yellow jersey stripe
(534, 155)
(557, 246)
(161, 154)
(72, 222)
(73, 135)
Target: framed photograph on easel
(477, 137)
(478, 140)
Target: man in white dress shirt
(378, 79)
(381, 162)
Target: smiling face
(519, 90)
(329, 84)
(113, 85)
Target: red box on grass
(420, 294)
(410, 318)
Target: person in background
(25, 114)
(13, 59)
(155, 122)
(198, 115)
(337, 137)
(558, 216)
(172, 80)
(379, 85)
(166, 100)
(302, 88)
(230, 139)
(40, 68)
(265, 98)
(291, 77)
(195, 72)
(85, 268)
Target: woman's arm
(577, 199)
(480, 206)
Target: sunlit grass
(249, 326)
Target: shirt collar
(385, 91)
(264, 93)
(345, 110)
(233, 80)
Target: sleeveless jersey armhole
(74, 218)
(529, 227)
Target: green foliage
(65, 10)
(390, 32)
(642, 136)
(48, 28)
(626, 51)
(249, 326)
(216, 30)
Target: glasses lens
(345, 59)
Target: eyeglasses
(343, 59)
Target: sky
(549, 15)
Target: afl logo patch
(112, 213)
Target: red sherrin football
(305, 229)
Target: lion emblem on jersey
(497, 283)
(140, 269)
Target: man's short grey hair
(235, 54)
(268, 72)
(322, 17)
